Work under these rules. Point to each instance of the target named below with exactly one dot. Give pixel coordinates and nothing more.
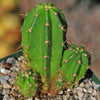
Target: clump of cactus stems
(50, 66)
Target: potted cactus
(47, 58)
(50, 63)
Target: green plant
(43, 40)
(74, 65)
(27, 83)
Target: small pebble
(88, 98)
(12, 98)
(6, 91)
(6, 97)
(3, 79)
(5, 71)
(93, 98)
(49, 94)
(79, 89)
(58, 98)
(94, 93)
(6, 86)
(21, 58)
(11, 60)
(65, 97)
(85, 90)
(82, 84)
(60, 93)
(95, 85)
(80, 94)
(37, 99)
(90, 90)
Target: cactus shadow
(87, 75)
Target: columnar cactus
(74, 64)
(43, 38)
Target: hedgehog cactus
(43, 40)
(74, 64)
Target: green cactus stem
(43, 36)
(74, 64)
(27, 83)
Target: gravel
(86, 89)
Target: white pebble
(4, 71)
(90, 90)
(6, 85)
(85, 90)
(94, 93)
(60, 92)
(6, 97)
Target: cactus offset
(74, 64)
(27, 83)
(43, 37)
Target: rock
(37, 99)
(11, 60)
(21, 58)
(6, 86)
(11, 81)
(90, 90)
(85, 90)
(87, 86)
(95, 85)
(6, 91)
(59, 98)
(60, 93)
(79, 89)
(86, 81)
(76, 97)
(65, 97)
(12, 98)
(49, 94)
(82, 84)
(86, 95)
(75, 90)
(4, 71)
(88, 98)
(93, 98)
(14, 68)
(94, 93)
(6, 97)
(3, 79)
(80, 98)
(80, 94)
(68, 90)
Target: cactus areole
(43, 40)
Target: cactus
(43, 40)
(74, 64)
(27, 83)
(43, 37)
